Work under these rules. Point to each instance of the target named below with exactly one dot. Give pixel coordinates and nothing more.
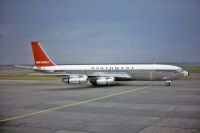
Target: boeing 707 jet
(104, 74)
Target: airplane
(104, 74)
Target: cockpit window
(178, 70)
(175, 71)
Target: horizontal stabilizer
(27, 67)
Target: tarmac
(49, 106)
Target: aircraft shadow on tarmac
(57, 86)
(63, 87)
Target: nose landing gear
(168, 83)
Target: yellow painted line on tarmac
(73, 104)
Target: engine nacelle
(75, 80)
(105, 81)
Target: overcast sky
(101, 31)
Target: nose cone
(185, 73)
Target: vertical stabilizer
(40, 56)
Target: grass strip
(28, 77)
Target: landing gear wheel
(168, 83)
(94, 83)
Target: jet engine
(105, 81)
(75, 80)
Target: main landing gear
(168, 83)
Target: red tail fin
(40, 56)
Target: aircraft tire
(168, 83)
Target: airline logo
(112, 68)
(42, 62)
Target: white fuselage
(120, 71)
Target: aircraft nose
(185, 73)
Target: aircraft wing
(117, 76)
(90, 76)
(53, 74)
